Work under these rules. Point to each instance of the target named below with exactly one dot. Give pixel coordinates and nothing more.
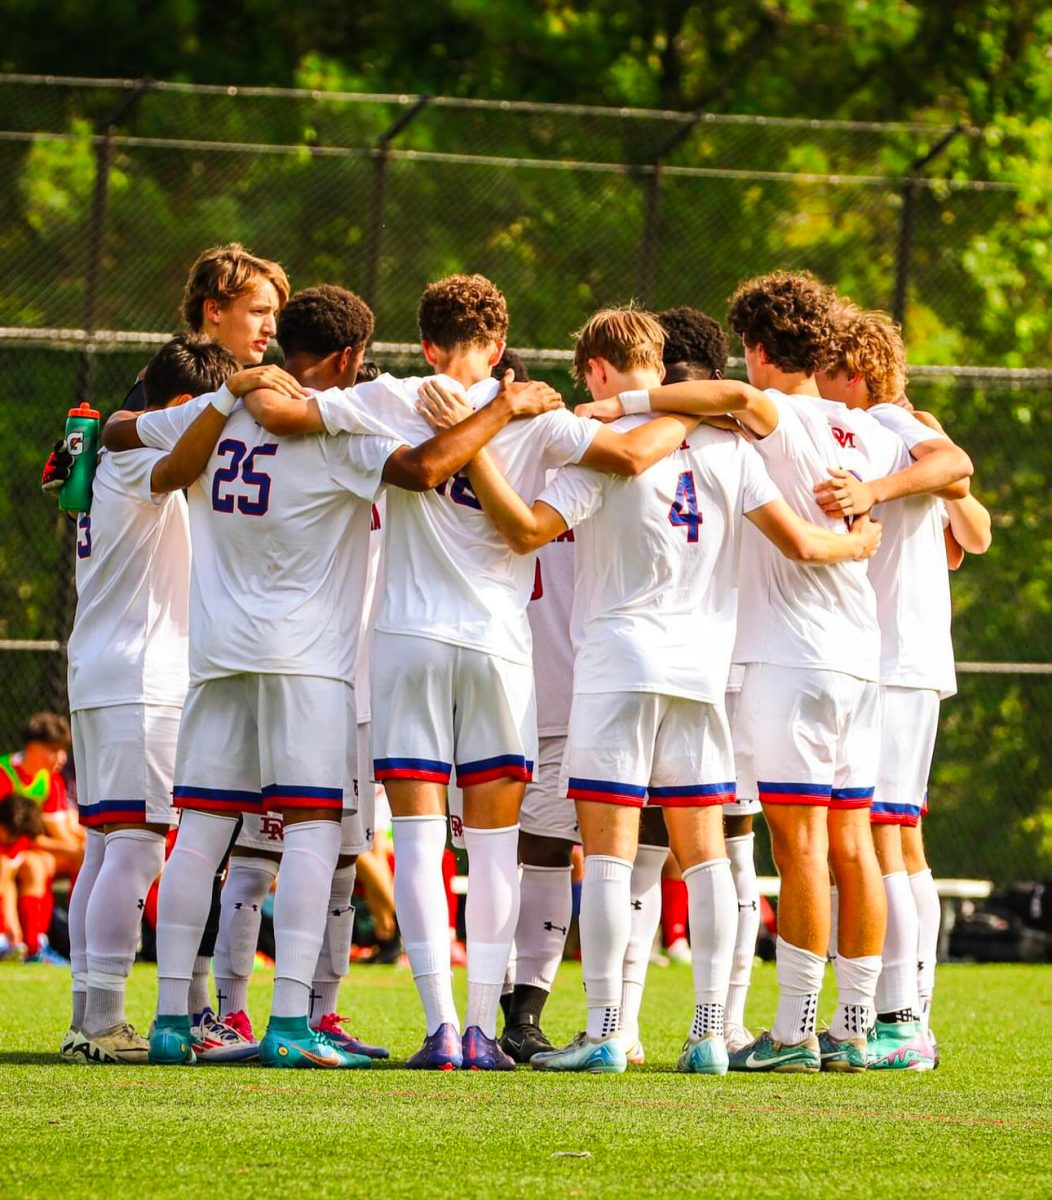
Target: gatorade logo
(75, 442)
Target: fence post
(650, 239)
(379, 196)
(84, 383)
(904, 252)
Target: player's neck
(791, 383)
(467, 365)
(637, 379)
(317, 373)
(36, 758)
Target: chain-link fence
(110, 188)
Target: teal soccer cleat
(848, 1056)
(170, 1042)
(899, 1046)
(604, 1057)
(704, 1056)
(290, 1042)
(765, 1054)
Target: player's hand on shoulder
(268, 376)
(442, 407)
(601, 410)
(843, 494)
(529, 398)
(869, 533)
(57, 468)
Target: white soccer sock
(929, 917)
(132, 861)
(897, 986)
(183, 903)
(856, 983)
(713, 906)
(94, 850)
(307, 865)
(545, 904)
(743, 870)
(420, 902)
(799, 981)
(606, 925)
(248, 883)
(645, 916)
(197, 997)
(490, 917)
(335, 957)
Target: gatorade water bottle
(82, 440)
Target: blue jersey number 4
(684, 510)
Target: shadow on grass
(29, 1058)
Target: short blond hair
(223, 273)
(628, 338)
(869, 344)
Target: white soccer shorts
(745, 802)
(436, 705)
(807, 736)
(266, 832)
(264, 743)
(125, 760)
(547, 811)
(909, 722)
(635, 748)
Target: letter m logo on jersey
(845, 438)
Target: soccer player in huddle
(127, 683)
(452, 662)
(810, 642)
(866, 371)
(655, 602)
(323, 332)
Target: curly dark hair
(789, 314)
(190, 364)
(510, 361)
(324, 320)
(48, 727)
(462, 310)
(695, 344)
(367, 371)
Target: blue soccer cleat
(481, 1053)
(704, 1056)
(603, 1057)
(441, 1051)
(170, 1042)
(290, 1042)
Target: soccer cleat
(290, 1042)
(441, 1051)
(46, 956)
(68, 1051)
(635, 1054)
(482, 1053)
(170, 1042)
(330, 1026)
(937, 1058)
(737, 1036)
(847, 1054)
(706, 1055)
(118, 1044)
(524, 1039)
(217, 1042)
(603, 1057)
(765, 1054)
(679, 952)
(899, 1046)
(240, 1022)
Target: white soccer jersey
(129, 639)
(370, 607)
(450, 576)
(280, 530)
(791, 614)
(549, 612)
(910, 578)
(657, 565)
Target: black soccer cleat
(524, 1039)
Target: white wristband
(223, 401)
(635, 401)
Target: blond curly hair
(868, 343)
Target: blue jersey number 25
(684, 510)
(254, 502)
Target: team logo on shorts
(272, 828)
(457, 825)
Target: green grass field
(979, 1126)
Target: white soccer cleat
(605, 1056)
(679, 952)
(635, 1054)
(67, 1051)
(216, 1042)
(737, 1036)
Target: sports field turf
(981, 1125)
